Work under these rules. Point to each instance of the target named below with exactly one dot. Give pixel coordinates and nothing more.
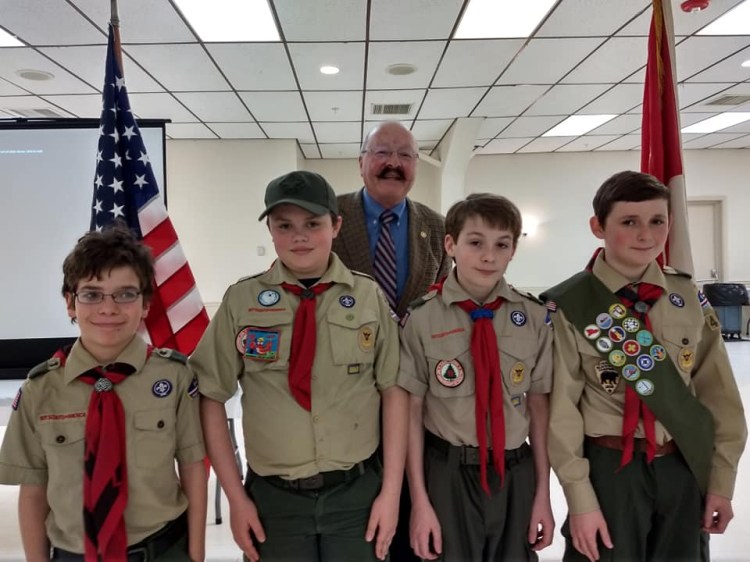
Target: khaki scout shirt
(436, 361)
(44, 442)
(356, 355)
(586, 401)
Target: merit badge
(658, 353)
(518, 318)
(686, 358)
(353, 369)
(645, 338)
(17, 399)
(644, 387)
(631, 324)
(161, 388)
(676, 300)
(449, 372)
(631, 348)
(703, 300)
(268, 297)
(193, 388)
(604, 321)
(591, 332)
(617, 358)
(517, 372)
(618, 311)
(604, 345)
(641, 307)
(630, 372)
(645, 362)
(617, 334)
(608, 376)
(366, 338)
(347, 301)
(262, 345)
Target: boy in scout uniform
(476, 358)
(95, 431)
(647, 426)
(314, 347)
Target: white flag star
(140, 181)
(119, 82)
(144, 158)
(101, 130)
(129, 132)
(116, 185)
(115, 135)
(98, 206)
(117, 159)
(99, 228)
(113, 110)
(98, 181)
(117, 211)
(99, 156)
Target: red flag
(661, 147)
(125, 188)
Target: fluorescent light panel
(230, 20)
(717, 123)
(735, 22)
(7, 40)
(577, 125)
(490, 19)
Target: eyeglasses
(384, 155)
(124, 296)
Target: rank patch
(449, 372)
(162, 388)
(347, 301)
(686, 358)
(366, 338)
(676, 300)
(17, 399)
(262, 345)
(268, 297)
(193, 388)
(518, 318)
(517, 373)
(644, 387)
(608, 376)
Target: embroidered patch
(268, 297)
(631, 324)
(617, 334)
(548, 318)
(630, 372)
(703, 300)
(193, 388)
(517, 373)
(551, 306)
(353, 369)
(676, 300)
(645, 338)
(366, 338)
(518, 318)
(162, 388)
(449, 372)
(686, 358)
(604, 345)
(604, 321)
(239, 340)
(608, 376)
(618, 311)
(645, 362)
(347, 301)
(713, 321)
(515, 400)
(644, 387)
(658, 353)
(631, 348)
(591, 331)
(17, 399)
(617, 358)
(261, 344)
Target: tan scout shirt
(436, 362)
(44, 442)
(581, 405)
(356, 355)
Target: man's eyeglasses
(125, 296)
(384, 155)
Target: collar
(614, 280)
(79, 361)
(453, 292)
(337, 272)
(373, 209)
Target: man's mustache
(389, 170)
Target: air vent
(391, 108)
(43, 112)
(729, 100)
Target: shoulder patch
(416, 303)
(672, 271)
(44, 368)
(526, 294)
(172, 354)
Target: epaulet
(172, 354)
(44, 367)
(672, 271)
(248, 277)
(416, 303)
(526, 294)
(360, 274)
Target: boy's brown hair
(98, 252)
(628, 186)
(495, 210)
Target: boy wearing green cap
(314, 347)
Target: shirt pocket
(63, 444)
(451, 367)
(681, 343)
(353, 336)
(517, 361)
(155, 438)
(270, 342)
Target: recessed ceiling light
(327, 69)
(401, 69)
(734, 22)
(230, 20)
(746, 64)
(8, 40)
(576, 125)
(718, 122)
(485, 19)
(38, 75)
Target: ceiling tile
(739, 142)
(189, 131)
(695, 54)
(29, 21)
(20, 58)
(600, 18)
(587, 143)
(687, 119)
(160, 106)
(310, 151)
(613, 61)
(690, 93)
(530, 126)
(377, 97)
(334, 106)
(307, 58)
(450, 102)
(254, 66)
(182, 67)
(508, 101)
(687, 23)
(341, 150)
(237, 130)
(743, 127)
(532, 65)
(424, 55)
(430, 129)
(415, 19)
(625, 142)
(301, 131)
(24, 106)
(728, 70)
(712, 139)
(475, 62)
(343, 20)
(491, 126)
(338, 132)
(546, 144)
(215, 106)
(566, 99)
(503, 146)
(620, 125)
(275, 106)
(82, 105)
(620, 99)
(8, 89)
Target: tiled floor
(734, 546)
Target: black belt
(467, 455)
(318, 481)
(148, 549)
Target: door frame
(718, 205)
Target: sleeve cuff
(13, 475)
(192, 454)
(721, 482)
(581, 498)
(411, 385)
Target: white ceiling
(586, 57)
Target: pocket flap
(155, 420)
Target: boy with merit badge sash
(476, 358)
(647, 426)
(314, 346)
(95, 431)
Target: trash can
(727, 299)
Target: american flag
(125, 189)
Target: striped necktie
(384, 264)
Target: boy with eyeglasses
(94, 431)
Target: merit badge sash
(643, 362)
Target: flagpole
(114, 21)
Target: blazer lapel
(417, 256)
(355, 237)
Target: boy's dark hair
(98, 252)
(495, 210)
(628, 186)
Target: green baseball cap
(304, 189)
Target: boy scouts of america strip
(17, 399)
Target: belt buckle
(315, 482)
(470, 456)
(142, 551)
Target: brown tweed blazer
(427, 260)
